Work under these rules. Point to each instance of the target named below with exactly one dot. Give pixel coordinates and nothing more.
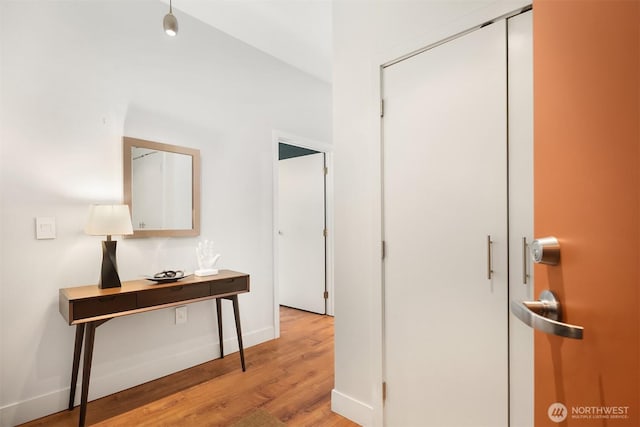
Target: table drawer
(172, 294)
(236, 284)
(103, 305)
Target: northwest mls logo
(557, 412)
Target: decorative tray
(167, 276)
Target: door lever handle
(545, 315)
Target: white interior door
(301, 241)
(445, 191)
(520, 29)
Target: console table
(88, 307)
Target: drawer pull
(106, 299)
(173, 294)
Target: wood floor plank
(291, 378)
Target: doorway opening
(302, 225)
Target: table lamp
(108, 220)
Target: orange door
(587, 193)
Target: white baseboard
(351, 408)
(126, 377)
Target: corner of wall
(351, 408)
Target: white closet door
(445, 191)
(520, 30)
(301, 242)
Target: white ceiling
(297, 32)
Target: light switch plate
(45, 227)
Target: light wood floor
(291, 378)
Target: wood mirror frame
(128, 145)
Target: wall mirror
(162, 188)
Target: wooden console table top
(89, 303)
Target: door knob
(546, 250)
(545, 315)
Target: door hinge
(382, 108)
(325, 171)
(384, 249)
(326, 294)
(325, 233)
(384, 391)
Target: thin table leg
(77, 349)
(236, 313)
(219, 312)
(86, 369)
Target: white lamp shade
(108, 220)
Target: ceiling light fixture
(170, 23)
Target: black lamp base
(109, 275)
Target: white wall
(76, 77)
(366, 35)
